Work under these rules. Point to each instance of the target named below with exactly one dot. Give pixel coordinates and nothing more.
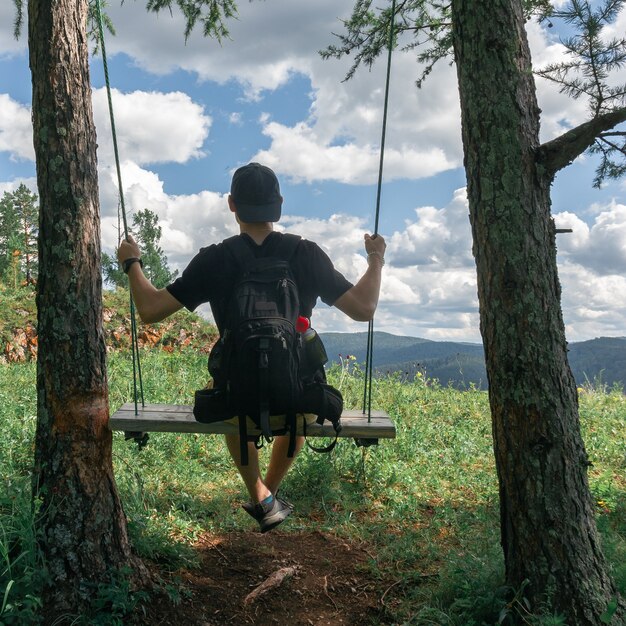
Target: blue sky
(188, 114)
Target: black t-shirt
(212, 273)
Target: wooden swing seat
(178, 418)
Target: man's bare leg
(251, 473)
(280, 463)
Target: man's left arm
(360, 302)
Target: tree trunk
(82, 525)
(548, 529)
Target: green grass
(426, 503)
(20, 566)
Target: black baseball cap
(256, 193)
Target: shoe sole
(274, 520)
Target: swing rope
(369, 351)
(137, 392)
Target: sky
(189, 113)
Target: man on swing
(256, 202)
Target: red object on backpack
(302, 324)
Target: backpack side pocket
(211, 405)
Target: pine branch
(211, 14)
(93, 29)
(613, 146)
(592, 56)
(560, 152)
(367, 33)
(609, 167)
(19, 18)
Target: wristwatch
(128, 262)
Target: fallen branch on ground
(272, 581)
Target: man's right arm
(361, 300)
(153, 305)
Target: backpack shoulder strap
(287, 246)
(240, 250)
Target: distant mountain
(461, 364)
(602, 360)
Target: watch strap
(126, 265)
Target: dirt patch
(331, 584)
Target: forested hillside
(461, 365)
(601, 360)
(18, 324)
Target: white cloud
(438, 238)
(151, 127)
(579, 235)
(618, 28)
(334, 233)
(601, 247)
(558, 111)
(593, 306)
(16, 134)
(263, 49)
(154, 127)
(591, 269)
(298, 153)
(341, 138)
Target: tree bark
(82, 527)
(548, 530)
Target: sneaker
(248, 507)
(268, 515)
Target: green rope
(385, 109)
(133, 322)
(367, 392)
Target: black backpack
(259, 364)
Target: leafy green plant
(114, 601)
(21, 567)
